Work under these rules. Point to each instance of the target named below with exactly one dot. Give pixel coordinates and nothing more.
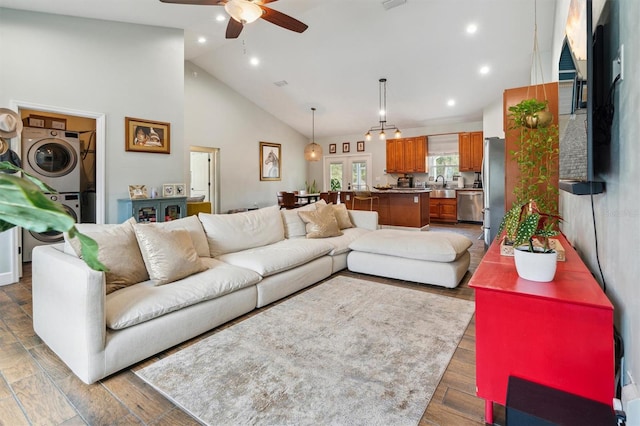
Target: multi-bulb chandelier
(313, 151)
(383, 115)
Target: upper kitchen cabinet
(470, 148)
(407, 155)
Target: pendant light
(382, 91)
(313, 151)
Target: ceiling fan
(246, 11)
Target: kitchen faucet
(443, 181)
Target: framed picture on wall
(169, 190)
(270, 161)
(360, 146)
(147, 136)
(345, 146)
(332, 148)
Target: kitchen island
(399, 207)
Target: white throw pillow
(228, 233)
(293, 225)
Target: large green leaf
(22, 203)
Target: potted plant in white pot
(525, 224)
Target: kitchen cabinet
(443, 209)
(399, 208)
(152, 209)
(558, 334)
(470, 151)
(407, 155)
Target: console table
(558, 334)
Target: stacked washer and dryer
(52, 156)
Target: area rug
(346, 352)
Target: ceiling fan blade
(233, 28)
(261, 2)
(197, 2)
(282, 20)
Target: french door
(347, 172)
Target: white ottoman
(438, 258)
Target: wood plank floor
(36, 388)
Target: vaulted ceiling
(421, 46)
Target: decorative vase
(539, 119)
(537, 265)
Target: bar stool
(364, 195)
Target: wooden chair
(280, 198)
(289, 200)
(325, 196)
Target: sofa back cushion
(229, 233)
(294, 226)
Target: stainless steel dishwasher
(470, 206)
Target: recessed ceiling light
(220, 17)
(485, 69)
(451, 102)
(472, 28)
(254, 61)
(202, 40)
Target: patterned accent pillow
(321, 223)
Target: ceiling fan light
(243, 11)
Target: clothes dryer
(52, 156)
(71, 203)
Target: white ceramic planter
(535, 266)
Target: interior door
(204, 166)
(347, 172)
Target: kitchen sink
(443, 193)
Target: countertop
(414, 190)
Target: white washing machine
(71, 203)
(52, 156)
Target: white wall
(617, 211)
(121, 70)
(218, 117)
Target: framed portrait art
(345, 146)
(270, 161)
(360, 146)
(332, 148)
(147, 136)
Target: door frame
(347, 159)
(214, 172)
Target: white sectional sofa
(197, 273)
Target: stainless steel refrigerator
(493, 169)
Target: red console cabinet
(558, 334)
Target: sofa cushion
(294, 226)
(342, 216)
(118, 250)
(194, 226)
(341, 243)
(321, 223)
(278, 257)
(144, 301)
(228, 233)
(168, 254)
(433, 246)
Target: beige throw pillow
(321, 223)
(118, 250)
(169, 254)
(342, 216)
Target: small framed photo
(137, 191)
(345, 146)
(360, 146)
(180, 190)
(147, 136)
(168, 190)
(270, 161)
(332, 148)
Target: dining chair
(280, 198)
(289, 200)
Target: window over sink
(443, 156)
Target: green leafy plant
(526, 221)
(22, 203)
(536, 156)
(335, 184)
(311, 189)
